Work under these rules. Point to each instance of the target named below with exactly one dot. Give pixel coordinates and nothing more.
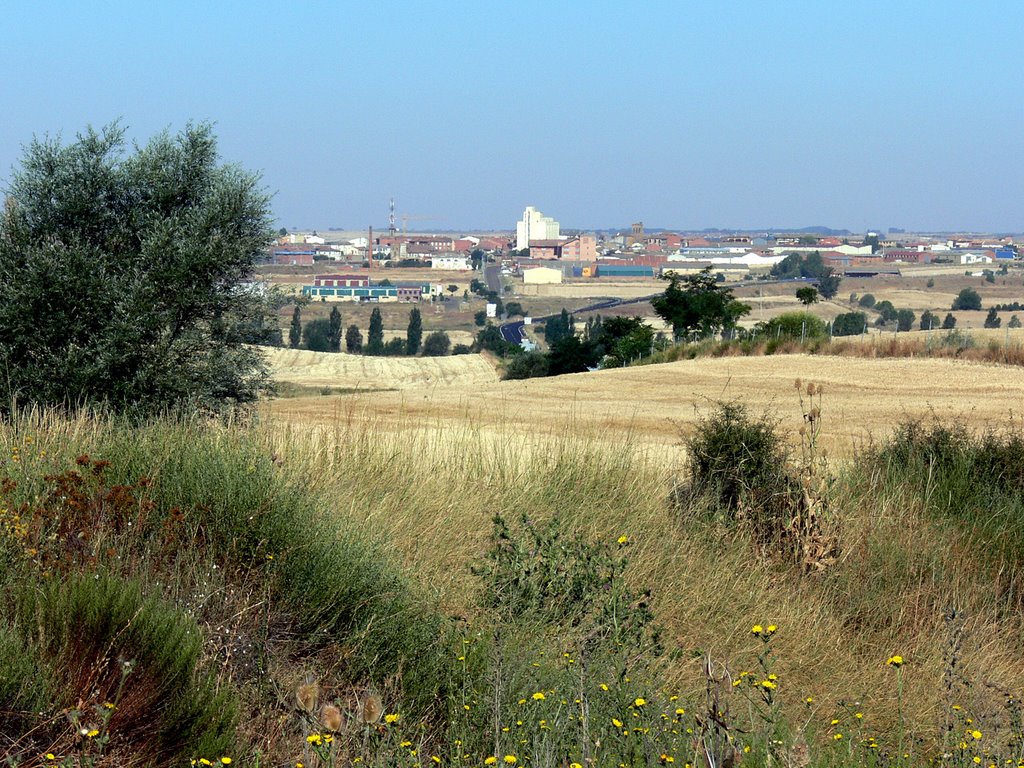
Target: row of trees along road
(325, 335)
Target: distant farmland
(654, 404)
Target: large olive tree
(123, 275)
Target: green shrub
(849, 324)
(968, 298)
(527, 366)
(336, 586)
(733, 454)
(316, 335)
(974, 477)
(25, 687)
(790, 326)
(437, 344)
(104, 642)
(539, 572)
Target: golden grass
(440, 460)
(431, 494)
(654, 404)
(368, 372)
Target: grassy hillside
(275, 592)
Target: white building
(453, 262)
(535, 226)
(542, 276)
(748, 259)
(974, 257)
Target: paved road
(492, 276)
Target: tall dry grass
(425, 497)
(1005, 347)
(430, 492)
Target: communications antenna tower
(391, 220)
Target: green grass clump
(975, 478)
(111, 648)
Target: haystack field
(654, 405)
(346, 371)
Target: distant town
(538, 252)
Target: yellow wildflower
(391, 718)
(757, 629)
(639, 701)
(510, 760)
(539, 696)
(623, 539)
(490, 760)
(895, 661)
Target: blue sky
(694, 114)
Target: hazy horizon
(704, 115)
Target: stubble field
(652, 405)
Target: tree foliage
(559, 327)
(948, 322)
(528, 365)
(335, 330)
(807, 295)
(121, 274)
(316, 335)
(849, 324)
(414, 333)
(968, 298)
(436, 344)
(375, 334)
(992, 319)
(793, 325)
(697, 306)
(812, 265)
(353, 340)
(395, 347)
(904, 320)
(295, 329)
(887, 312)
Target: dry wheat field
(655, 404)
